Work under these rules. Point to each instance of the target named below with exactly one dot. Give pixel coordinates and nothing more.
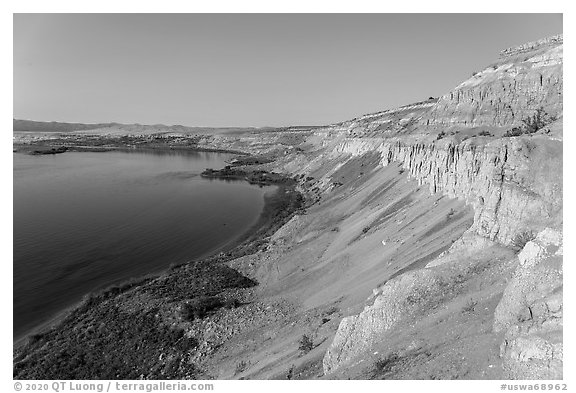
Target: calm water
(83, 221)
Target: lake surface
(83, 221)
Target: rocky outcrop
(531, 311)
(403, 300)
(398, 299)
(531, 46)
(506, 92)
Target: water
(83, 221)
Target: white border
(244, 6)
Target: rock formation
(530, 312)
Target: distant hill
(54, 126)
(126, 129)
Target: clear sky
(250, 69)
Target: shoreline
(106, 143)
(279, 206)
(49, 150)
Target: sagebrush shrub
(306, 344)
(198, 307)
(521, 239)
(532, 123)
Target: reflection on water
(85, 220)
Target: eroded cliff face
(514, 185)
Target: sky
(249, 69)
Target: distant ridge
(118, 128)
(141, 129)
(54, 126)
